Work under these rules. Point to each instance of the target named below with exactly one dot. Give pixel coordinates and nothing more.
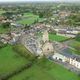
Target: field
(44, 70)
(9, 60)
(75, 45)
(28, 18)
(51, 72)
(1, 11)
(54, 37)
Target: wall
(59, 57)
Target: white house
(72, 59)
(60, 57)
(75, 62)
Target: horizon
(38, 1)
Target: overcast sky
(39, 0)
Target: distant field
(54, 72)
(54, 37)
(29, 15)
(1, 11)
(9, 60)
(76, 45)
(27, 21)
(28, 18)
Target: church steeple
(45, 36)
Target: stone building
(47, 46)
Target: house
(2, 18)
(64, 14)
(60, 57)
(15, 36)
(5, 38)
(71, 33)
(66, 56)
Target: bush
(21, 50)
(77, 37)
(2, 45)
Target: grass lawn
(27, 21)
(74, 43)
(61, 73)
(29, 15)
(75, 51)
(29, 18)
(9, 60)
(54, 37)
(54, 72)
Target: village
(41, 45)
(32, 36)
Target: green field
(54, 37)
(41, 70)
(74, 51)
(28, 18)
(29, 15)
(27, 21)
(1, 11)
(51, 72)
(76, 45)
(9, 60)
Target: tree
(2, 44)
(77, 37)
(27, 26)
(22, 51)
(6, 25)
(41, 15)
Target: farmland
(10, 60)
(48, 71)
(28, 18)
(75, 45)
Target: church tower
(45, 36)
(47, 46)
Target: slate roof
(66, 52)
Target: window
(60, 59)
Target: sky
(39, 0)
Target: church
(62, 55)
(47, 46)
